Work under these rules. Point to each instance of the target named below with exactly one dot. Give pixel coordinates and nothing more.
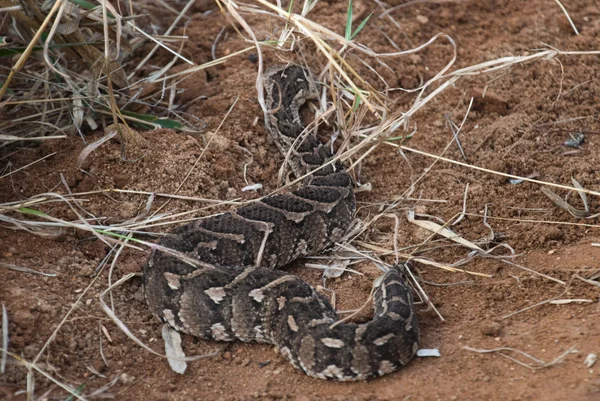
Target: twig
(28, 165)
(540, 364)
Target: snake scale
(235, 291)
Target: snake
(219, 278)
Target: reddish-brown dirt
(517, 125)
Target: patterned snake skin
(234, 292)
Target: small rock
(575, 141)
(422, 19)
(121, 180)
(492, 329)
(23, 318)
(590, 360)
(126, 379)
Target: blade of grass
(348, 33)
(21, 62)
(361, 26)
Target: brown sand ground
(516, 128)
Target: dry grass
(80, 79)
(532, 363)
(73, 71)
(69, 69)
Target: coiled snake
(234, 292)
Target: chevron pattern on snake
(235, 291)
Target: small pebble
(492, 329)
(575, 141)
(422, 19)
(590, 360)
(126, 379)
(424, 352)
(253, 187)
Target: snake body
(235, 292)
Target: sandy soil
(517, 125)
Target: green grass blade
(348, 34)
(356, 103)
(86, 5)
(78, 391)
(361, 26)
(26, 210)
(157, 122)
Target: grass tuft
(349, 35)
(79, 71)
